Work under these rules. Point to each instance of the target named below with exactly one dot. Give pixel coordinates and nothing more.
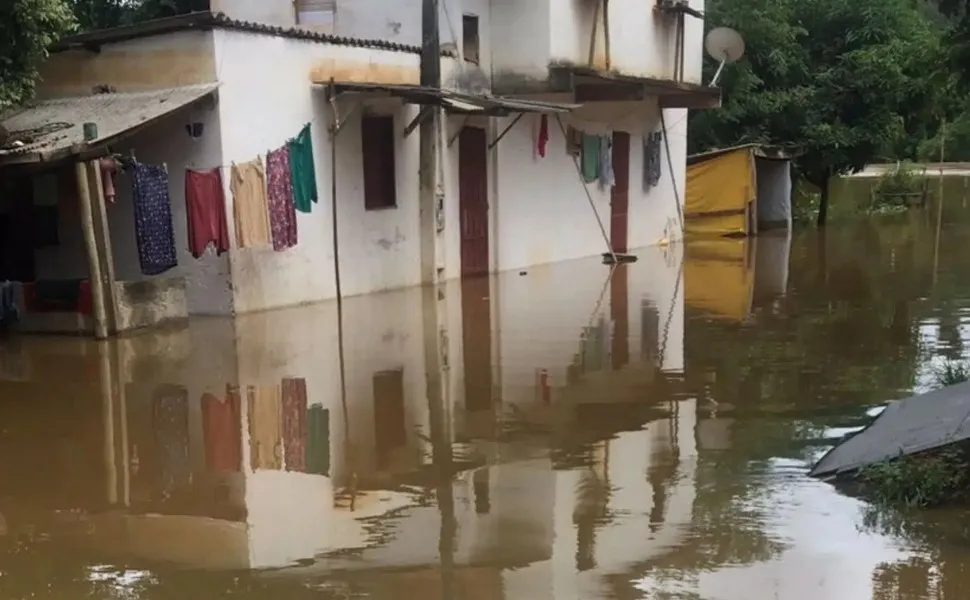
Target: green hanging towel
(302, 171)
(318, 441)
(591, 157)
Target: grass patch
(918, 481)
(952, 372)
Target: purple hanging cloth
(154, 233)
(279, 190)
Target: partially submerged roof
(760, 150)
(908, 426)
(456, 101)
(53, 129)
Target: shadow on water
(571, 433)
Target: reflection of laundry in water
(170, 419)
(14, 364)
(318, 441)
(389, 427)
(592, 354)
(265, 427)
(294, 424)
(221, 426)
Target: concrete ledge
(151, 303)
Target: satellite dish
(724, 45)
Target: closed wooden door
(620, 195)
(473, 201)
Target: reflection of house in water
(230, 445)
(727, 280)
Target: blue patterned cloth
(153, 219)
(8, 302)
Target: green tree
(103, 14)
(847, 82)
(27, 29)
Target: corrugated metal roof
(760, 150)
(456, 101)
(53, 129)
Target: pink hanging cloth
(279, 192)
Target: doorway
(475, 290)
(473, 201)
(620, 194)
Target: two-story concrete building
(565, 137)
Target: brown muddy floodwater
(640, 434)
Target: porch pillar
(102, 234)
(95, 266)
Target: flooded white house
(265, 155)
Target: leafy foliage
(918, 481)
(953, 372)
(27, 29)
(103, 14)
(892, 190)
(847, 82)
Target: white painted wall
(379, 250)
(400, 20)
(270, 12)
(523, 48)
(536, 33)
(207, 279)
(541, 210)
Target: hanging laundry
(205, 211)
(543, 135)
(294, 424)
(318, 441)
(154, 232)
(265, 427)
(302, 170)
(606, 178)
(591, 157)
(109, 167)
(170, 420)
(248, 185)
(221, 431)
(279, 192)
